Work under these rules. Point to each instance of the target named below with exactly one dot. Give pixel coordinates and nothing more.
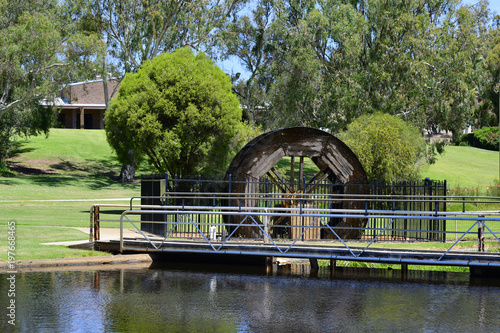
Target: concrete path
(129, 261)
(106, 234)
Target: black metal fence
(426, 196)
(423, 196)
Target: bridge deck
(209, 234)
(321, 251)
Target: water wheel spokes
(334, 160)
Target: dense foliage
(137, 31)
(389, 148)
(318, 63)
(323, 63)
(485, 138)
(179, 112)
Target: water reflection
(208, 298)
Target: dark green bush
(466, 140)
(485, 138)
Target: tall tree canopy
(491, 117)
(179, 112)
(138, 30)
(326, 62)
(40, 51)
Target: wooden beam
(82, 117)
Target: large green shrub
(487, 137)
(178, 111)
(389, 148)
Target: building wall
(87, 97)
(91, 92)
(71, 118)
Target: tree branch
(28, 96)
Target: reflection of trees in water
(221, 301)
(158, 300)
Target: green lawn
(466, 167)
(72, 152)
(66, 173)
(29, 240)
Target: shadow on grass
(7, 181)
(20, 168)
(98, 167)
(18, 149)
(83, 182)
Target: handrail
(238, 201)
(317, 218)
(271, 196)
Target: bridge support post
(269, 265)
(314, 264)
(404, 272)
(333, 266)
(97, 231)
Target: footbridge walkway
(299, 229)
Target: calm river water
(213, 299)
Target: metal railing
(209, 233)
(283, 205)
(283, 223)
(204, 192)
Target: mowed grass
(58, 179)
(30, 239)
(467, 167)
(66, 152)
(67, 173)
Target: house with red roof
(82, 104)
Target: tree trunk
(128, 169)
(127, 173)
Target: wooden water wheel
(334, 160)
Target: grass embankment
(60, 177)
(466, 167)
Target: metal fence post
(480, 235)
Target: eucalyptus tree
(136, 31)
(291, 50)
(493, 66)
(330, 61)
(449, 69)
(40, 51)
(315, 64)
(248, 39)
(422, 60)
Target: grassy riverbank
(56, 180)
